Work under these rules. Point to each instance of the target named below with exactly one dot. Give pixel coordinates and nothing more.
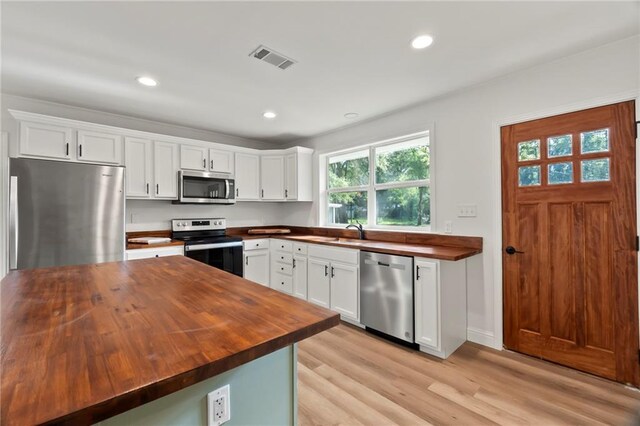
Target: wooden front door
(569, 240)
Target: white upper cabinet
(272, 177)
(138, 164)
(247, 176)
(193, 158)
(291, 177)
(298, 180)
(221, 161)
(99, 147)
(165, 170)
(46, 140)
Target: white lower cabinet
(319, 283)
(345, 290)
(147, 253)
(282, 265)
(300, 272)
(256, 261)
(440, 305)
(334, 279)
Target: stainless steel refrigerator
(64, 213)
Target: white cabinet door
(220, 161)
(247, 177)
(138, 164)
(300, 276)
(256, 266)
(318, 283)
(193, 158)
(98, 147)
(165, 170)
(272, 177)
(291, 177)
(46, 140)
(344, 289)
(427, 299)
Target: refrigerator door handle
(13, 223)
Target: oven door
(225, 256)
(205, 188)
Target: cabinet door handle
(286, 193)
(80, 150)
(333, 272)
(326, 270)
(211, 164)
(417, 272)
(204, 163)
(147, 188)
(263, 193)
(237, 192)
(246, 260)
(157, 188)
(294, 263)
(67, 148)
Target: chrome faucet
(358, 227)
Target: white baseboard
(482, 337)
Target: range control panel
(198, 224)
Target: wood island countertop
(83, 343)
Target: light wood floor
(348, 377)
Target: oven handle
(197, 247)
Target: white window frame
(372, 187)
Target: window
(383, 185)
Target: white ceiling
(352, 56)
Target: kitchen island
(81, 344)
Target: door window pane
(596, 170)
(349, 170)
(529, 176)
(560, 173)
(347, 207)
(403, 206)
(402, 162)
(529, 150)
(559, 146)
(595, 141)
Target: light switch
(467, 210)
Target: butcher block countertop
(84, 343)
(434, 246)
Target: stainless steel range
(205, 240)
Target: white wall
(143, 215)
(467, 157)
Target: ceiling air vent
(271, 56)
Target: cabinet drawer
(154, 252)
(334, 254)
(282, 245)
(282, 283)
(299, 248)
(278, 256)
(282, 268)
(256, 244)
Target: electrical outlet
(467, 210)
(448, 227)
(218, 406)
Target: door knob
(512, 250)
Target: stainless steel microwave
(205, 188)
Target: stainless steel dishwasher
(386, 294)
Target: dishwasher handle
(387, 265)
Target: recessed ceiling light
(269, 115)
(351, 115)
(422, 41)
(147, 81)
